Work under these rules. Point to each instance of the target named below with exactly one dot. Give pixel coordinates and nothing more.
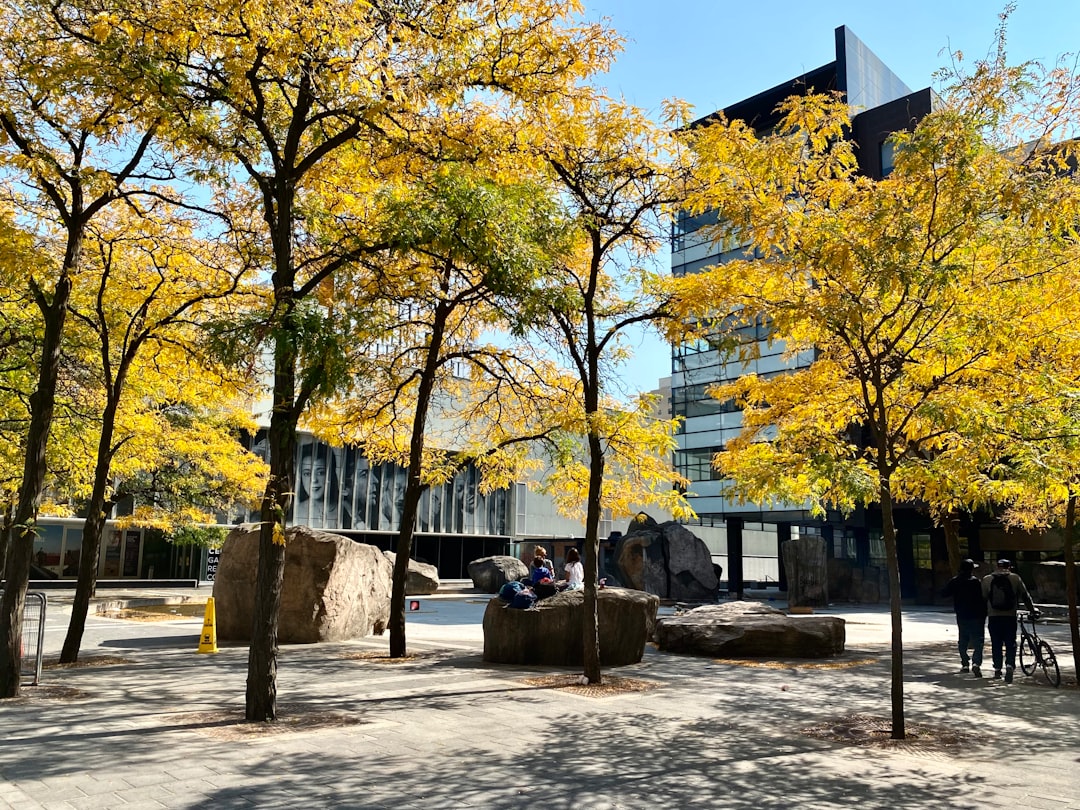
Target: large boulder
(750, 630)
(666, 559)
(1048, 582)
(488, 574)
(333, 589)
(806, 566)
(421, 579)
(869, 584)
(550, 632)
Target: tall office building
(881, 105)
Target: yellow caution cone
(208, 639)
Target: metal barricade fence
(33, 635)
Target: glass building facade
(882, 104)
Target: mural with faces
(317, 502)
(337, 488)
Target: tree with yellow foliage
(617, 173)
(276, 92)
(912, 292)
(1023, 449)
(463, 248)
(71, 147)
(149, 284)
(19, 337)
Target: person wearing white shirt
(575, 572)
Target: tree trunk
(590, 623)
(951, 525)
(413, 487)
(401, 565)
(261, 696)
(21, 547)
(1070, 581)
(888, 530)
(404, 548)
(5, 537)
(84, 589)
(92, 531)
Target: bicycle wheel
(1028, 658)
(1049, 663)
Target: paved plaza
(155, 725)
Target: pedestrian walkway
(156, 725)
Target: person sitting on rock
(539, 559)
(540, 553)
(543, 580)
(575, 572)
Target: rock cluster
(550, 633)
(422, 578)
(666, 559)
(333, 589)
(750, 630)
(488, 574)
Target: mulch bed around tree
(89, 661)
(800, 664)
(383, 657)
(230, 725)
(46, 692)
(157, 613)
(578, 685)
(876, 732)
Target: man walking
(1003, 591)
(969, 604)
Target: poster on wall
(47, 548)
(213, 557)
(111, 565)
(317, 502)
(338, 488)
(131, 554)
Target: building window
(697, 464)
(685, 223)
(693, 400)
(847, 551)
(888, 157)
(877, 548)
(920, 543)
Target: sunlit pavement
(160, 726)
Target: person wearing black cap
(969, 604)
(1003, 591)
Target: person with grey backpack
(1003, 591)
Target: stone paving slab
(449, 731)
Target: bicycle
(1034, 651)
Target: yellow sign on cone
(208, 639)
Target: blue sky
(715, 52)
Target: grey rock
(422, 577)
(488, 574)
(750, 630)
(333, 588)
(1048, 583)
(807, 572)
(551, 632)
(666, 559)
